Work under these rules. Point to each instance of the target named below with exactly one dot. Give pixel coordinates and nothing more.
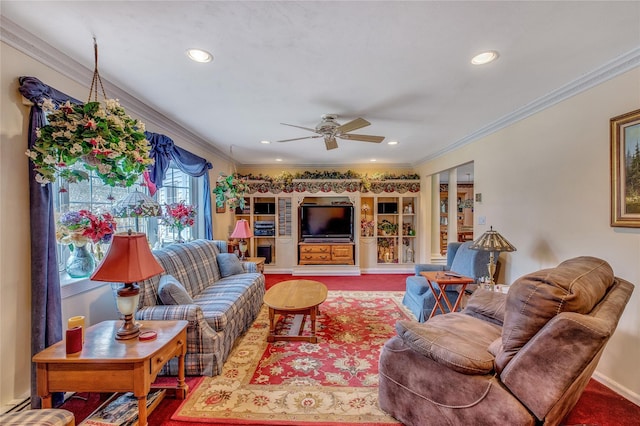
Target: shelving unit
(370, 250)
(464, 216)
(395, 229)
(269, 218)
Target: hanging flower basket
(102, 137)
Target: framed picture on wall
(625, 170)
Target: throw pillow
(171, 292)
(229, 264)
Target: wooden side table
(259, 261)
(442, 279)
(109, 365)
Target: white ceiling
(403, 66)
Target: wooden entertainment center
(322, 253)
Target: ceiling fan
(330, 129)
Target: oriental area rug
(332, 382)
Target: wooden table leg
(443, 291)
(459, 299)
(312, 314)
(181, 391)
(437, 296)
(142, 410)
(272, 325)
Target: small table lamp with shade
(242, 231)
(129, 260)
(136, 205)
(492, 242)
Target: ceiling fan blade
(363, 138)
(356, 124)
(297, 139)
(330, 143)
(299, 127)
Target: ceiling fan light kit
(330, 129)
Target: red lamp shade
(128, 260)
(242, 230)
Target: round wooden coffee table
(299, 298)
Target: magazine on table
(122, 411)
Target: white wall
(15, 274)
(545, 187)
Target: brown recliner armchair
(523, 358)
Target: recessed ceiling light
(392, 143)
(278, 159)
(199, 55)
(485, 57)
(265, 142)
(373, 160)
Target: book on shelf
(121, 410)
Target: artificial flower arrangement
(104, 138)
(179, 215)
(80, 227)
(367, 226)
(230, 189)
(387, 228)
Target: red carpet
(369, 282)
(598, 405)
(328, 383)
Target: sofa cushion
(455, 340)
(576, 285)
(228, 298)
(229, 264)
(171, 292)
(193, 263)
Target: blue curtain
(46, 303)
(163, 151)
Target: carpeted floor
(331, 382)
(369, 282)
(598, 405)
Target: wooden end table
(109, 365)
(259, 261)
(299, 298)
(442, 279)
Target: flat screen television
(318, 221)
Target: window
(97, 197)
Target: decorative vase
(80, 263)
(179, 238)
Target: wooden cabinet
(326, 254)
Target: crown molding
(609, 70)
(34, 47)
(39, 50)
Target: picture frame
(625, 170)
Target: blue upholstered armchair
(461, 259)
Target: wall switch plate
(482, 220)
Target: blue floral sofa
(219, 308)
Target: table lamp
(128, 261)
(137, 204)
(492, 242)
(242, 231)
